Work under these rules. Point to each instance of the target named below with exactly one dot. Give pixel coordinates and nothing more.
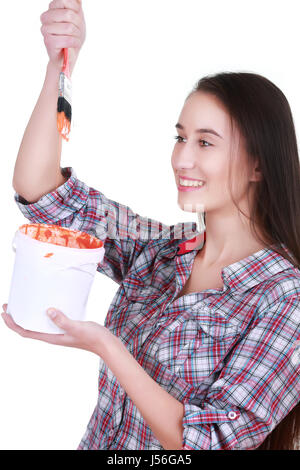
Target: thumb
(59, 318)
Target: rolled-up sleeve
(61, 204)
(125, 233)
(258, 386)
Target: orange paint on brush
(48, 255)
(63, 125)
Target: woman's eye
(177, 137)
(208, 144)
(180, 139)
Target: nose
(183, 156)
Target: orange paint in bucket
(61, 236)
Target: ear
(256, 174)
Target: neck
(228, 239)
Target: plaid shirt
(229, 355)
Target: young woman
(200, 344)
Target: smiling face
(205, 155)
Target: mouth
(190, 185)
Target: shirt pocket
(195, 344)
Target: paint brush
(64, 102)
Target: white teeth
(190, 183)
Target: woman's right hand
(63, 26)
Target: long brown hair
(264, 119)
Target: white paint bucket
(54, 267)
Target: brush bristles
(64, 106)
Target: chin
(191, 206)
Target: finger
(4, 306)
(67, 29)
(49, 338)
(63, 41)
(61, 15)
(61, 320)
(71, 4)
(8, 319)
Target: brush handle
(65, 67)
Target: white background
(138, 63)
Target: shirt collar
(248, 272)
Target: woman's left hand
(86, 335)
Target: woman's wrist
(104, 343)
(56, 68)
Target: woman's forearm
(37, 168)
(161, 411)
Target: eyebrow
(207, 131)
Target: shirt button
(232, 415)
(295, 358)
(297, 315)
(110, 433)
